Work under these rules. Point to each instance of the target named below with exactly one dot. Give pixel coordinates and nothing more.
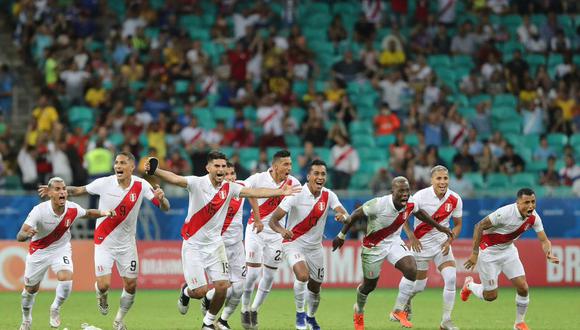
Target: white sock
(235, 291)
(405, 291)
(264, 287)
(521, 307)
(209, 318)
(27, 303)
(476, 289)
(299, 295)
(63, 290)
(209, 294)
(361, 301)
(418, 287)
(313, 301)
(127, 300)
(449, 278)
(251, 279)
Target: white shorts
(432, 252)
(37, 264)
(237, 261)
(491, 263)
(127, 261)
(313, 257)
(372, 258)
(198, 261)
(263, 248)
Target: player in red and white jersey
(494, 252)
(48, 227)
(385, 217)
(302, 244)
(264, 248)
(203, 250)
(115, 236)
(442, 204)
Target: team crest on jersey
(222, 194)
(321, 206)
(133, 197)
(448, 207)
(67, 224)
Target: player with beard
(385, 217)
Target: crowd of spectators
(149, 81)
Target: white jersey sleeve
(458, 212)
(415, 204)
(147, 190)
(333, 201)
(192, 182)
(251, 181)
(33, 217)
(97, 186)
(81, 212)
(538, 225)
(287, 203)
(497, 217)
(235, 189)
(371, 208)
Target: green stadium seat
(250, 113)
(562, 191)
(462, 61)
(203, 114)
(372, 167)
(136, 85)
(476, 179)
(511, 46)
(536, 167)
(497, 180)
(360, 181)
(181, 86)
(152, 32)
(412, 139)
(226, 114)
(199, 33)
(438, 61)
(525, 180)
(557, 140)
(565, 20)
(372, 154)
(474, 101)
(575, 139)
(13, 182)
(539, 19)
(298, 114)
(467, 112)
(324, 154)
(228, 151)
(300, 88)
(363, 141)
(79, 113)
(249, 154)
(531, 141)
(116, 139)
(292, 140)
(511, 20)
(555, 59)
(513, 126)
(361, 127)
(505, 100)
(535, 59)
(576, 58)
(447, 153)
(384, 141)
(189, 21)
(503, 113)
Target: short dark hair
(214, 154)
(280, 154)
(317, 162)
(126, 154)
(525, 191)
(229, 164)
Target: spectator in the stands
(75, 81)
(464, 159)
(27, 165)
(482, 120)
(45, 114)
(98, 161)
(487, 161)
(344, 162)
(534, 118)
(526, 29)
(460, 184)
(550, 176)
(464, 43)
(386, 122)
(6, 87)
(380, 183)
(511, 162)
(304, 160)
(392, 88)
(348, 69)
(570, 173)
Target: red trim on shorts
(121, 213)
(56, 234)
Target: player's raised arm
(25, 233)
(547, 247)
(357, 215)
(163, 202)
(286, 190)
(71, 190)
(275, 223)
(165, 175)
(93, 214)
(477, 233)
(258, 224)
(426, 218)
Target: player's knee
(131, 287)
(489, 295)
(410, 272)
(314, 286)
(367, 287)
(302, 276)
(523, 290)
(32, 289)
(221, 286)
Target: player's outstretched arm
(93, 213)
(477, 233)
(275, 224)
(340, 214)
(286, 190)
(547, 247)
(25, 233)
(258, 224)
(170, 177)
(357, 215)
(426, 218)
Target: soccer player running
(264, 248)
(385, 217)
(203, 251)
(302, 244)
(494, 252)
(48, 227)
(115, 236)
(232, 234)
(442, 204)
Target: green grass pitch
(550, 308)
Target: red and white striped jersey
(441, 210)
(508, 225)
(268, 205)
(208, 206)
(385, 222)
(118, 232)
(52, 230)
(233, 228)
(307, 215)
